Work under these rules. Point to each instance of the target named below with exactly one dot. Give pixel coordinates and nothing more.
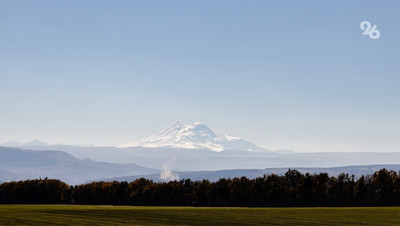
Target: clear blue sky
(283, 74)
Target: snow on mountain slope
(194, 136)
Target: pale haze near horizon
(283, 75)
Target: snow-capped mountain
(194, 136)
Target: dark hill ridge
(19, 164)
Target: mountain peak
(178, 124)
(198, 123)
(194, 136)
(37, 142)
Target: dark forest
(292, 189)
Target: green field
(118, 215)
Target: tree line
(291, 189)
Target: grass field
(118, 215)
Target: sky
(293, 75)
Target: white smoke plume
(167, 173)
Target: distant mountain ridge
(194, 136)
(34, 142)
(22, 164)
(180, 159)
